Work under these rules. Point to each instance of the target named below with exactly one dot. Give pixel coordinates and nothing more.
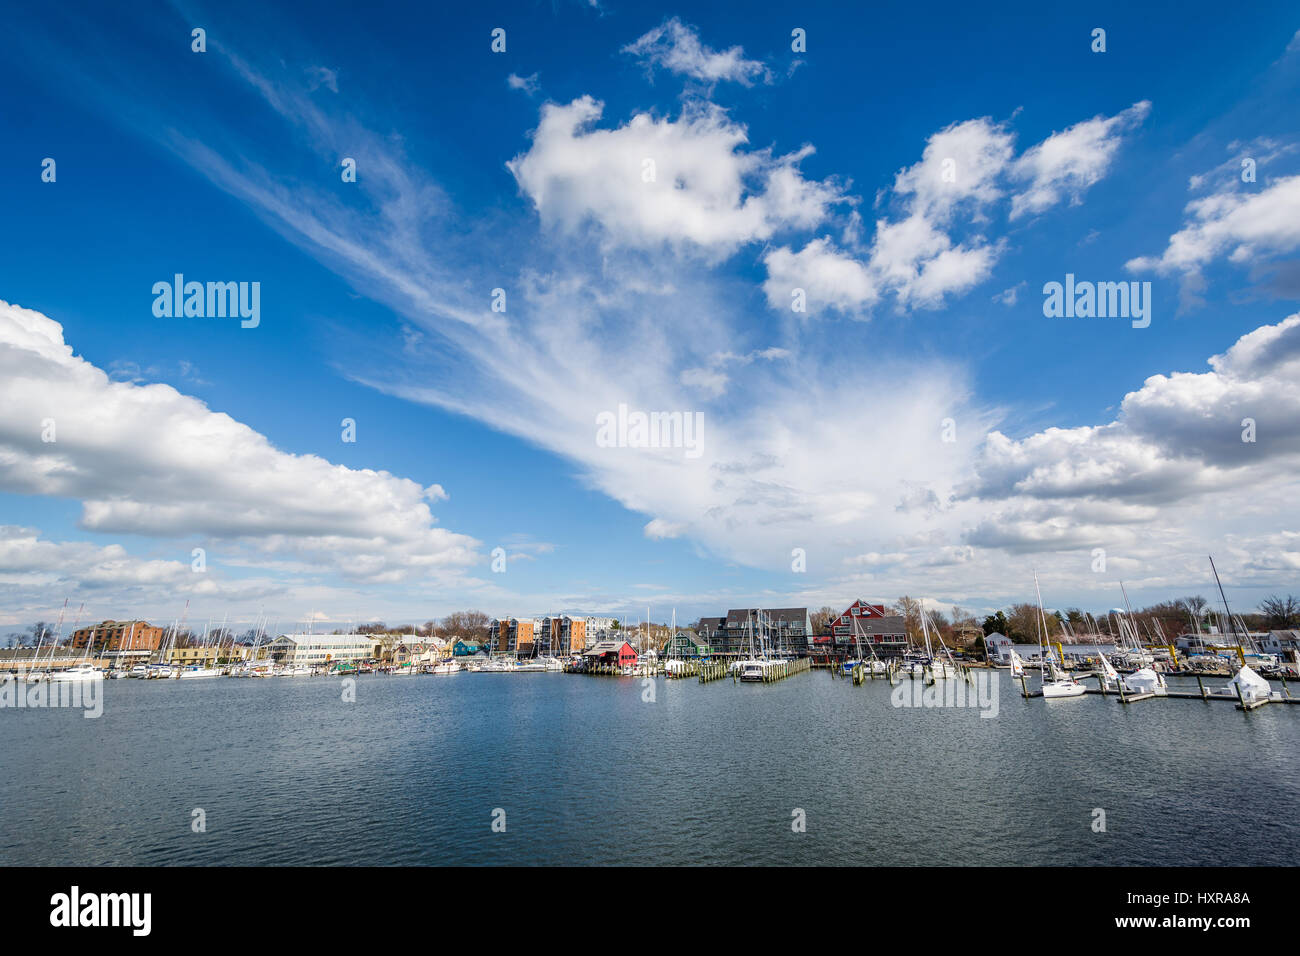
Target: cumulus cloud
(676, 46)
(652, 181)
(965, 169)
(148, 460)
(1177, 437)
(1245, 226)
(1067, 163)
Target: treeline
(1166, 620)
(470, 625)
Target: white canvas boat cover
(1253, 687)
(1145, 681)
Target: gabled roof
(737, 617)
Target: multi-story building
(508, 635)
(864, 623)
(119, 636)
(208, 656)
(321, 648)
(561, 636)
(759, 630)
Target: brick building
(119, 636)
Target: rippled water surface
(588, 771)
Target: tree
(821, 619)
(996, 624)
(909, 609)
(1281, 612)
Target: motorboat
(196, 672)
(756, 669)
(78, 672)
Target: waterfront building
(711, 628)
(779, 629)
(118, 636)
(208, 656)
(463, 648)
(864, 623)
(686, 643)
(511, 636)
(998, 648)
(561, 636)
(312, 649)
(1285, 644)
(612, 652)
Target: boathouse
(611, 652)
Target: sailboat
(199, 671)
(1249, 686)
(756, 666)
(1060, 683)
(84, 670)
(942, 666)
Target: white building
(321, 648)
(998, 648)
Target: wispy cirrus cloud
(676, 47)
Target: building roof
(320, 640)
(737, 617)
(600, 648)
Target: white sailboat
(1249, 686)
(1055, 682)
(78, 672)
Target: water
(588, 772)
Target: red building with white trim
(863, 623)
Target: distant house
(863, 624)
(998, 648)
(686, 643)
(464, 648)
(611, 652)
(1285, 644)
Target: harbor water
(563, 769)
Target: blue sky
(777, 169)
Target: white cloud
(526, 84)
(675, 46)
(1071, 161)
(963, 162)
(148, 460)
(704, 190)
(1243, 225)
(829, 278)
(964, 170)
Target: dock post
(1201, 684)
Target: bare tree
(1281, 612)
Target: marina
(590, 772)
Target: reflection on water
(587, 771)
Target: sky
(826, 238)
